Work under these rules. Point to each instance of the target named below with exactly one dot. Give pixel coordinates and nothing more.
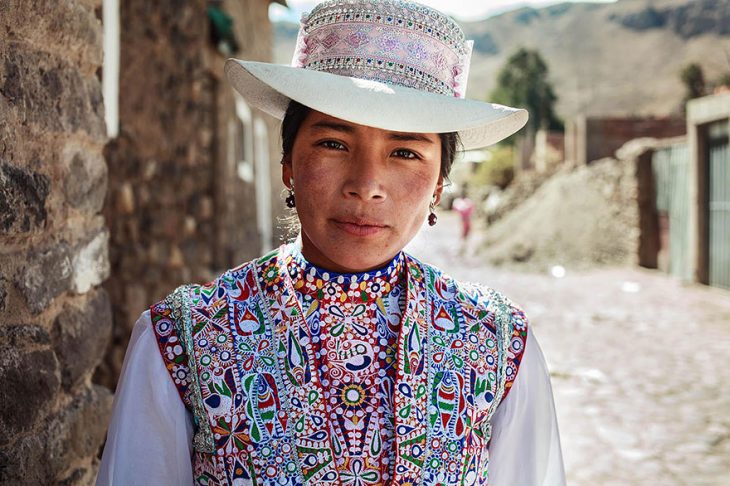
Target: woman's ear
(439, 190)
(287, 174)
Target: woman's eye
(331, 144)
(405, 154)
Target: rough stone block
(81, 427)
(72, 435)
(136, 300)
(23, 195)
(3, 292)
(51, 93)
(76, 477)
(47, 274)
(23, 462)
(72, 25)
(125, 199)
(29, 383)
(81, 337)
(22, 337)
(85, 186)
(91, 263)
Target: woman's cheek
(313, 174)
(416, 186)
(316, 183)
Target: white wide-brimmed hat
(391, 64)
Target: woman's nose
(365, 177)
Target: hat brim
(270, 87)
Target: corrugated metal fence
(671, 172)
(719, 205)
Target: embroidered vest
(238, 351)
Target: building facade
(708, 132)
(684, 197)
(193, 171)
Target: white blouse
(150, 434)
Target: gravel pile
(578, 218)
(503, 202)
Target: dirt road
(640, 365)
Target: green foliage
(523, 82)
(497, 171)
(221, 31)
(694, 81)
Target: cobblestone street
(640, 365)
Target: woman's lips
(358, 228)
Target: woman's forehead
(317, 121)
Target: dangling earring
(290, 202)
(432, 212)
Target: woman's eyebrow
(340, 127)
(411, 137)
(346, 128)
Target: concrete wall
(549, 150)
(55, 319)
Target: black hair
(297, 112)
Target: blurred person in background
(341, 359)
(464, 206)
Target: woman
(341, 359)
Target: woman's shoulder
(225, 282)
(485, 310)
(490, 300)
(473, 294)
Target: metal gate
(671, 171)
(719, 204)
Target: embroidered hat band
(394, 42)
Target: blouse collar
(379, 281)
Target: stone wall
(55, 319)
(158, 206)
(177, 211)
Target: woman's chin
(344, 252)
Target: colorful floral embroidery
(348, 316)
(297, 375)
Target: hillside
(605, 59)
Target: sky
(464, 10)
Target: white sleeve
(525, 445)
(150, 434)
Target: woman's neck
(319, 259)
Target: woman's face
(361, 193)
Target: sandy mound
(578, 218)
